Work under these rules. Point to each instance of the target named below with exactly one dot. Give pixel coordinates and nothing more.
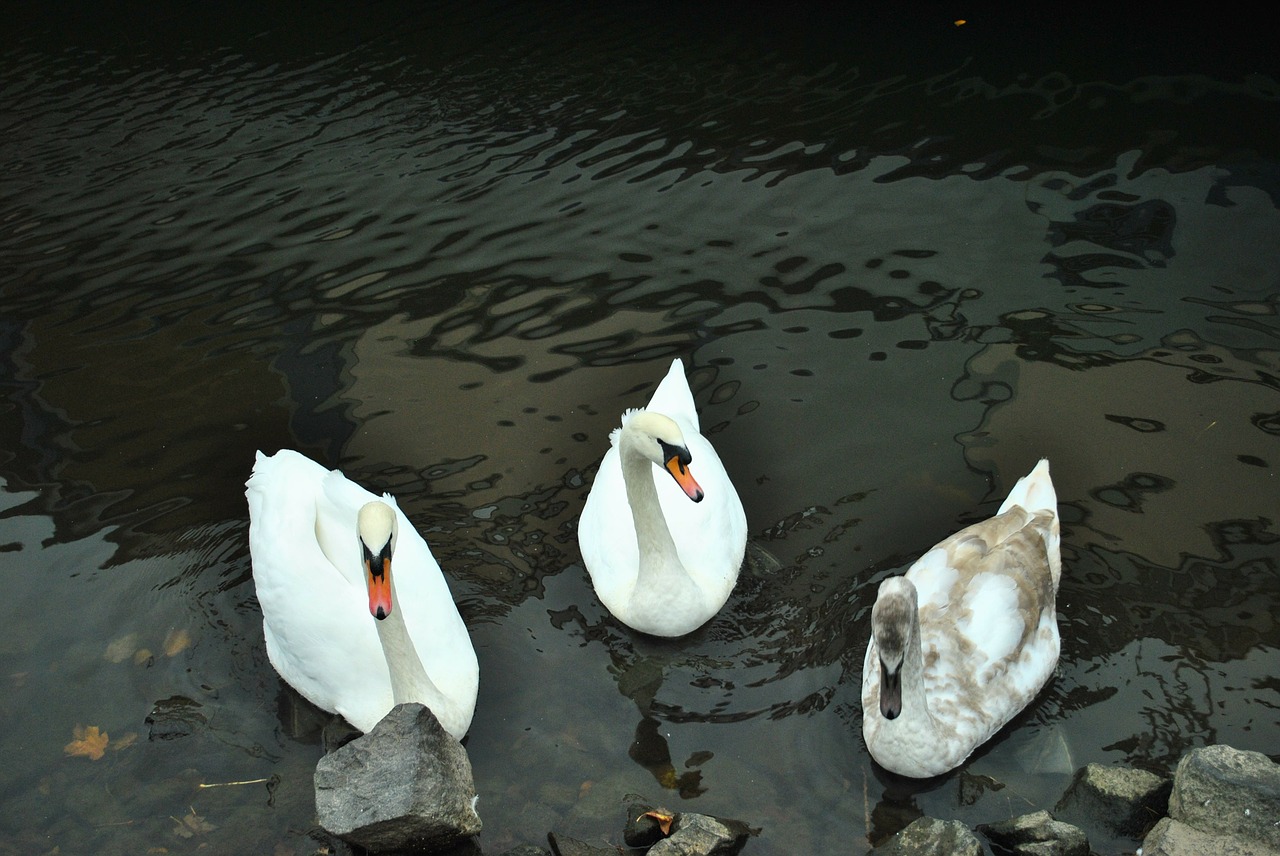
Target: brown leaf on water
(176, 642)
(89, 742)
(191, 825)
(143, 657)
(664, 820)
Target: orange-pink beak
(377, 575)
(680, 472)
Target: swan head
(659, 438)
(893, 620)
(377, 529)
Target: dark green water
(444, 250)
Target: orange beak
(377, 577)
(680, 472)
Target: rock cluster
(1221, 801)
(658, 832)
(406, 787)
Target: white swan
(662, 549)
(966, 638)
(344, 632)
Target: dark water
(445, 248)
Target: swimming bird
(343, 630)
(663, 549)
(966, 638)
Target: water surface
(445, 249)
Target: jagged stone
(1037, 834)
(701, 835)
(927, 836)
(405, 785)
(1226, 791)
(1170, 837)
(1117, 800)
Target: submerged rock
(563, 845)
(1037, 834)
(1115, 800)
(406, 785)
(1225, 791)
(643, 830)
(175, 717)
(686, 833)
(927, 836)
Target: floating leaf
(192, 825)
(664, 820)
(89, 742)
(143, 657)
(176, 642)
(121, 649)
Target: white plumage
(317, 598)
(966, 638)
(661, 559)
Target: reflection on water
(445, 252)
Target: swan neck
(657, 549)
(915, 701)
(409, 678)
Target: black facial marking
(680, 453)
(376, 562)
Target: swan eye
(679, 453)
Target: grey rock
(1115, 800)
(927, 836)
(642, 831)
(1227, 791)
(1037, 834)
(700, 835)
(405, 785)
(1170, 837)
(524, 850)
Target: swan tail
(673, 396)
(1035, 493)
